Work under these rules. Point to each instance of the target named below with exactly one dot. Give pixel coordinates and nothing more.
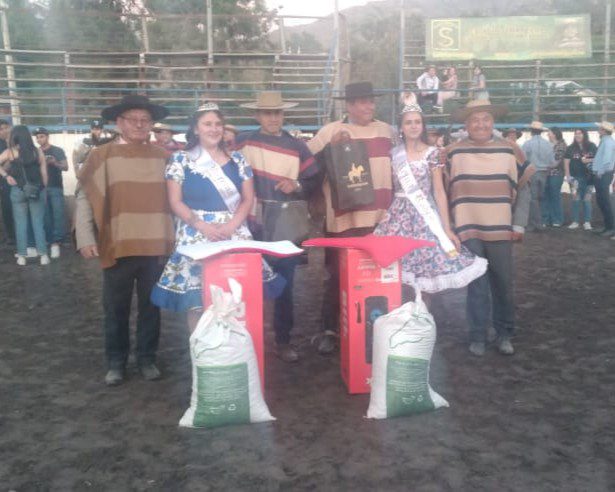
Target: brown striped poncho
(125, 186)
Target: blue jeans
(55, 224)
(603, 199)
(492, 291)
(552, 213)
(538, 184)
(22, 207)
(582, 196)
(283, 318)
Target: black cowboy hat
(358, 90)
(134, 101)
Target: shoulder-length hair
(192, 139)
(22, 138)
(422, 136)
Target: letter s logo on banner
(445, 34)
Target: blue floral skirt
(179, 287)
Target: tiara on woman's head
(411, 108)
(208, 106)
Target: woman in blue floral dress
(211, 193)
(427, 269)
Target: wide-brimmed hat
(134, 101)
(477, 106)
(538, 126)
(605, 125)
(358, 90)
(160, 127)
(269, 100)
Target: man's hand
(340, 137)
(89, 252)
(11, 181)
(287, 186)
(517, 237)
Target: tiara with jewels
(208, 106)
(408, 99)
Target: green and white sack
(403, 345)
(226, 388)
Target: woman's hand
(226, 230)
(11, 181)
(210, 231)
(453, 237)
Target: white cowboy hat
(537, 125)
(606, 126)
(477, 106)
(269, 100)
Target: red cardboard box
(366, 291)
(246, 268)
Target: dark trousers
(7, 210)
(118, 284)
(283, 319)
(330, 312)
(603, 199)
(497, 283)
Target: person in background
(27, 177)
(478, 85)
(98, 136)
(539, 152)
(552, 212)
(448, 87)
(577, 169)
(55, 221)
(129, 228)
(603, 165)
(229, 136)
(8, 226)
(428, 84)
(163, 137)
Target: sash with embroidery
(413, 192)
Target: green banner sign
(509, 38)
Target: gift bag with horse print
(349, 173)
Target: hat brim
(254, 105)
(460, 115)
(112, 113)
(608, 129)
(358, 96)
(174, 132)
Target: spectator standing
(478, 86)
(538, 152)
(378, 138)
(5, 189)
(552, 212)
(428, 84)
(448, 87)
(27, 177)
(163, 137)
(55, 221)
(129, 228)
(603, 165)
(577, 168)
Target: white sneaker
(55, 250)
(574, 225)
(45, 260)
(31, 253)
(587, 226)
(21, 260)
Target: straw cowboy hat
(605, 125)
(537, 125)
(269, 100)
(477, 106)
(134, 101)
(358, 90)
(160, 127)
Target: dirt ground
(542, 420)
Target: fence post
(536, 105)
(10, 69)
(282, 34)
(145, 34)
(607, 59)
(64, 87)
(210, 35)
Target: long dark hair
(422, 136)
(585, 144)
(192, 139)
(22, 138)
(558, 134)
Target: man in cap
(163, 137)
(124, 184)
(482, 182)
(55, 222)
(603, 165)
(378, 137)
(284, 172)
(538, 152)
